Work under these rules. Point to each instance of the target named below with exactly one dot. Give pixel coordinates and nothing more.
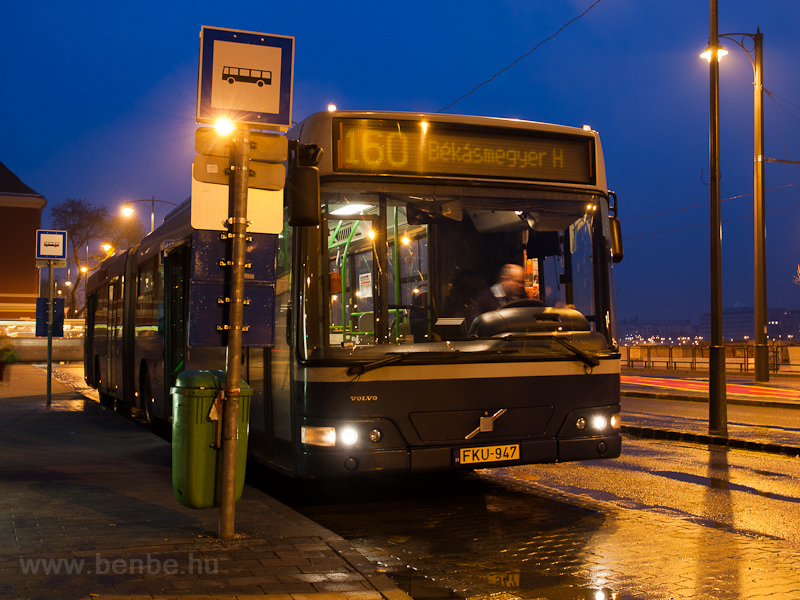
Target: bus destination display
(436, 148)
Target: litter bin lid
(188, 381)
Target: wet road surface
(667, 520)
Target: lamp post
(128, 209)
(717, 400)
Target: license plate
(486, 454)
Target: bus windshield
(407, 268)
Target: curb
(709, 439)
(704, 399)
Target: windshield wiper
(584, 357)
(361, 369)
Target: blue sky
(98, 102)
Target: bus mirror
(302, 195)
(616, 240)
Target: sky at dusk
(98, 102)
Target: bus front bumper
(327, 464)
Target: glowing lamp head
(720, 53)
(224, 126)
(127, 210)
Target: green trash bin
(196, 464)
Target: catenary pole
(760, 233)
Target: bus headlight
(599, 422)
(616, 421)
(318, 436)
(348, 436)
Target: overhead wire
(777, 210)
(704, 204)
(521, 57)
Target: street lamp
(755, 55)
(107, 248)
(127, 210)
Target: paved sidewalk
(669, 416)
(87, 511)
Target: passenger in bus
(510, 286)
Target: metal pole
(717, 401)
(760, 232)
(237, 227)
(153, 214)
(50, 330)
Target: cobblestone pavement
(87, 511)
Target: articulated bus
(362, 346)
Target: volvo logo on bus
(363, 398)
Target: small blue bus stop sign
(51, 245)
(246, 77)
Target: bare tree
(88, 226)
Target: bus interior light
(318, 436)
(349, 209)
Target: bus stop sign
(51, 245)
(246, 77)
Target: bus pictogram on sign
(257, 76)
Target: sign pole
(49, 330)
(237, 228)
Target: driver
(510, 286)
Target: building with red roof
(21, 210)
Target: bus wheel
(107, 400)
(260, 83)
(231, 80)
